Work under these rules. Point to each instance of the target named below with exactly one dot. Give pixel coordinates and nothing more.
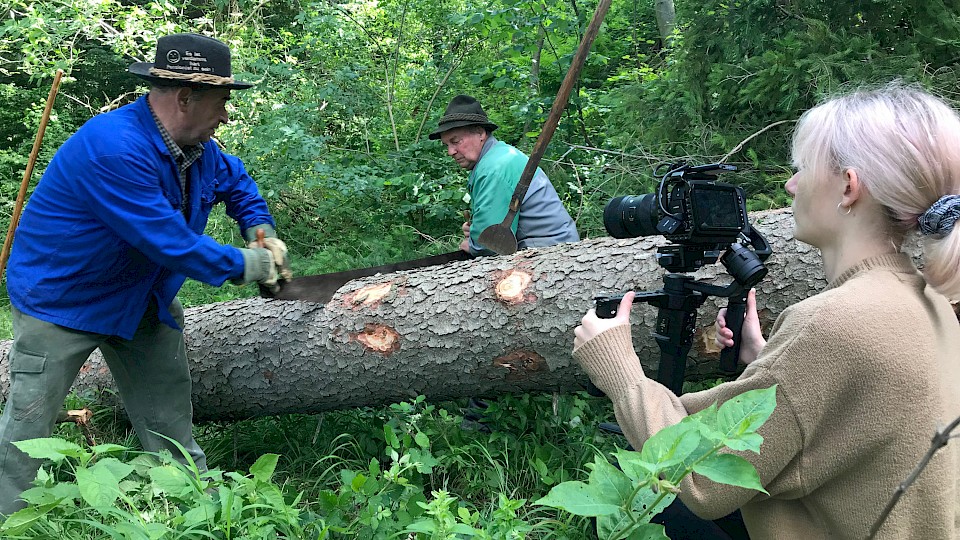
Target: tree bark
(666, 19)
(481, 327)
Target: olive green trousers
(150, 371)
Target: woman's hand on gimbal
(591, 326)
(751, 336)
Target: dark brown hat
(462, 111)
(189, 59)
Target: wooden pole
(18, 207)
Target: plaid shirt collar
(183, 156)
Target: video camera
(690, 208)
(705, 221)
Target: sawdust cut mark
(708, 342)
(379, 338)
(511, 285)
(368, 296)
(520, 364)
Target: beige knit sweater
(867, 370)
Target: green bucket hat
(462, 111)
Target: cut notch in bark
(379, 338)
(521, 364)
(369, 296)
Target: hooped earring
(849, 209)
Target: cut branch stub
(510, 286)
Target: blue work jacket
(103, 232)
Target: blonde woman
(867, 369)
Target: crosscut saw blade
(320, 288)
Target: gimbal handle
(736, 310)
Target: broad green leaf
(264, 467)
(671, 445)
(609, 483)
(635, 468)
(578, 498)
(390, 436)
(649, 531)
(646, 504)
(21, 520)
(607, 525)
(98, 487)
(424, 460)
(422, 440)
(730, 469)
(54, 494)
(425, 526)
(142, 531)
(168, 479)
(115, 467)
(745, 413)
(108, 448)
(50, 448)
(747, 441)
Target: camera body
(698, 215)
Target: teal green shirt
(542, 219)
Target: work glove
(259, 266)
(276, 246)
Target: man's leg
(44, 361)
(153, 377)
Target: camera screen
(717, 209)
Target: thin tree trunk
(482, 327)
(534, 87)
(666, 19)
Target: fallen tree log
(482, 327)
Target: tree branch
(940, 439)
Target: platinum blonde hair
(904, 144)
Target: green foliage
(92, 494)
(626, 497)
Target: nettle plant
(625, 497)
(92, 494)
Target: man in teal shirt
(495, 169)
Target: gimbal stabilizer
(681, 295)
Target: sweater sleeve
(643, 407)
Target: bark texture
(666, 19)
(482, 327)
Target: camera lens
(631, 216)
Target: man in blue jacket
(495, 169)
(112, 230)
